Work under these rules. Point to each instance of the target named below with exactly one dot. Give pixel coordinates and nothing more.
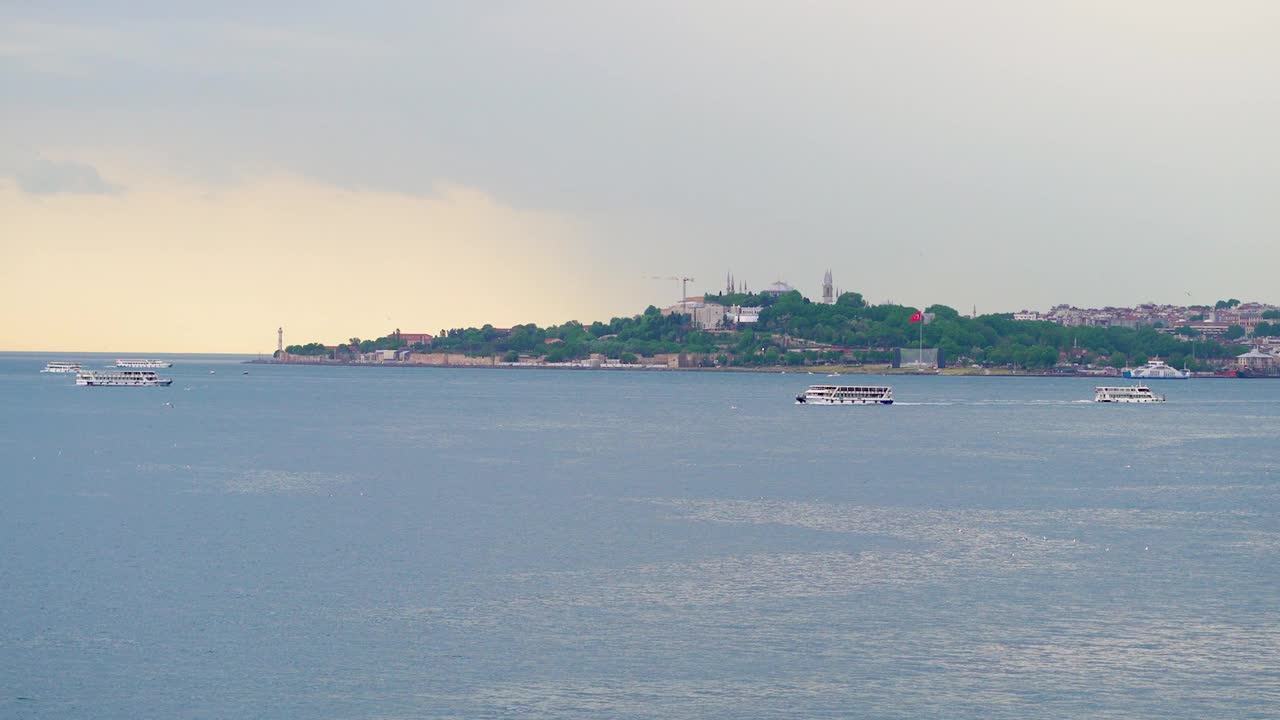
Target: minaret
(280, 340)
(728, 283)
(828, 291)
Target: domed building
(777, 288)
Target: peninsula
(780, 328)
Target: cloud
(39, 175)
(923, 153)
(49, 177)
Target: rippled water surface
(429, 543)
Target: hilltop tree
(851, 299)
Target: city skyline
(190, 179)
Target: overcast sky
(213, 171)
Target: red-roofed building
(416, 338)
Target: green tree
(313, 349)
(1234, 332)
(850, 300)
(942, 312)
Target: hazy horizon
(340, 338)
(188, 179)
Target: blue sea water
(307, 542)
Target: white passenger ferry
(142, 363)
(846, 395)
(61, 367)
(121, 378)
(1126, 394)
(1157, 369)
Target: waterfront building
(1257, 360)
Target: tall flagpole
(920, 356)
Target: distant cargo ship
(142, 363)
(1155, 370)
(122, 378)
(61, 367)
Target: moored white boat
(142, 363)
(1125, 394)
(121, 378)
(846, 395)
(1155, 370)
(56, 366)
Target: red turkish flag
(917, 317)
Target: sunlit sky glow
(187, 178)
